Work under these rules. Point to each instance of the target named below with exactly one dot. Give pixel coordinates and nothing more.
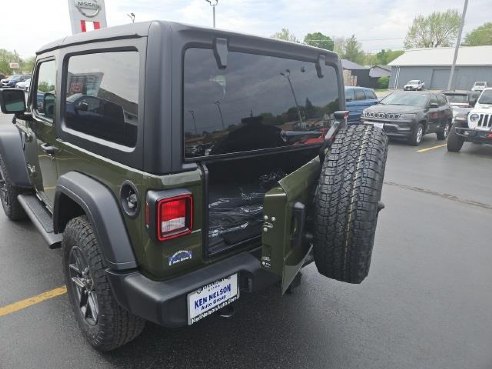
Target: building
(433, 66)
(358, 75)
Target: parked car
(153, 227)
(414, 85)
(474, 126)
(24, 84)
(479, 86)
(2, 77)
(411, 115)
(461, 101)
(357, 99)
(13, 80)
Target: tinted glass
(442, 100)
(485, 97)
(102, 95)
(371, 95)
(406, 98)
(359, 95)
(457, 98)
(257, 102)
(46, 90)
(349, 94)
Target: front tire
(455, 142)
(104, 323)
(347, 203)
(8, 195)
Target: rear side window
(359, 95)
(371, 95)
(102, 95)
(44, 98)
(349, 94)
(442, 100)
(257, 102)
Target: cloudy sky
(377, 24)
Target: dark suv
(410, 115)
(179, 167)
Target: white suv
(414, 85)
(479, 86)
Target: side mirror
(49, 105)
(12, 101)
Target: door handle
(48, 149)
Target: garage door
(440, 78)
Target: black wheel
(347, 203)
(455, 142)
(104, 323)
(417, 135)
(8, 195)
(442, 135)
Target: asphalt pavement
(427, 302)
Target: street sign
(86, 15)
(14, 65)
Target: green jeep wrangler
(179, 167)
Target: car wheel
(455, 142)
(347, 203)
(417, 135)
(104, 323)
(442, 135)
(8, 195)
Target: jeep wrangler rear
(179, 167)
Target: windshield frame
(488, 95)
(405, 93)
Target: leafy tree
(7, 57)
(320, 40)
(383, 82)
(479, 36)
(386, 56)
(436, 30)
(285, 35)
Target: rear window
(457, 99)
(485, 97)
(257, 102)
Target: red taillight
(174, 217)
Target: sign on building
(14, 65)
(87, 15)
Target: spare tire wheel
(347, 203)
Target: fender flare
(11, 148)
(101, 208)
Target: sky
(377, 24)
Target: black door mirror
(12, 101)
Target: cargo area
(236, 190)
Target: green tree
(384, 57)
(320, 40)
(352, 50)
(479, 36)
(436, 30)
(285, 35)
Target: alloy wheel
(83, 286)
(420, 134)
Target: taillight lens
(174, 217)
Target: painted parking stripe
(23, 304)
(432, 148)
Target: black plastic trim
(13, 156)
(165, 302)
(103, 212)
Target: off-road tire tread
(116, 326)
(454, 142)
(13, 209)
(346, 203)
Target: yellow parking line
(19, 305)
(431, 148)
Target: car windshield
(479, 83)
(413, 82)
(402, 98)
(485, 97)
(457, 99)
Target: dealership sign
(86, 15)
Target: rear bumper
(474, 135)
(165, 302)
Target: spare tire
(347, 203)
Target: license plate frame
(379, 125)
(212, 297)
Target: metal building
(433, 66)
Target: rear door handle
(48, 149)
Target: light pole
(132, 17)
(457, 47)
(286, 75)
(213, 4)
(192, 112)
(220, 112)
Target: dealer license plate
(379, 125)
(211, 298)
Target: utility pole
(458, 42)
(213, 4)
(286, 75)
